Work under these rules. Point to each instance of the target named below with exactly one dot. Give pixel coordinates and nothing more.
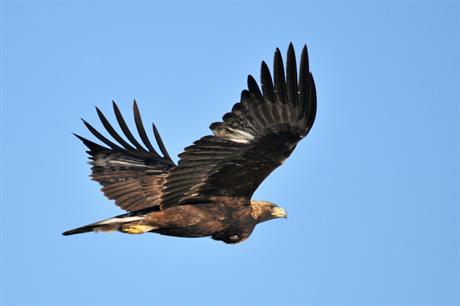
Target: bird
(208, 192)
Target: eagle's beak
(279, 212)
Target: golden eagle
(208, 192)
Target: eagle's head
(264, 211)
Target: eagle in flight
(208, 192)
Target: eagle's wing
(130, 173)
(258, 134)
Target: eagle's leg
(135, 228)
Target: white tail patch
(120, 220)
(105, 229)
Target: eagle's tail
(130, 223)
(86, 229)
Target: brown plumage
(208, 193)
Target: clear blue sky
(372, 192)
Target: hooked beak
(279, 212)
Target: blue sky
(372, 193)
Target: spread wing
(253, 139)
(129, 173)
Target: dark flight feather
(253, 87)
(101, 137)
(267, 83)
(112, 131)
(160, 143)
(280, 84)
(291, 76)
(304, 80)
(125, 129)
(141, 130)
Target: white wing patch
(234, 135)
(103, 162)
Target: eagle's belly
(189, 220)
(222, 222)
(195, 231)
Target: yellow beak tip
(279, 212)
